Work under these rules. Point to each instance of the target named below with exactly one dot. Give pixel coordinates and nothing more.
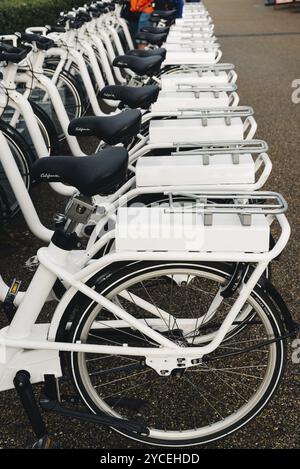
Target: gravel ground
(264, 44)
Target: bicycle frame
(109, 203)
(12, 76)
(24, 334)
(75, 269)
(104, 29)
(69, 54)
(70, 37)
(191, 212)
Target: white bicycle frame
(74, 39)
(70, 48)
(11, 76)
(34, 346)
(109, 204)
(107, 30)
(25, 344)
(140, 150)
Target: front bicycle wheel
(192, 406)
(71, 93)
(46, 126)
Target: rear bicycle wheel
(194, 406)
(24, 158)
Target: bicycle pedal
(32, 263)
(8, 304)
(46, 442)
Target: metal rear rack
(200, 69)
(192, 40)
(243, 204)
(235, 149)
(215, 89)
(239, 146)
(227, 113)
(201, 48)
(205, 21)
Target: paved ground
(264, 44)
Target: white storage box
(159, 229)
(195, 46)
(186, 58)
(173, 101)
(192, 130)
(185, 170)
(192, 19)
(199, 12)
(192, 29)
(183, 37)
(171, 82)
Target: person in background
(144, 8)
(132, 18)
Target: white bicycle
(156, 325)
(163, 320)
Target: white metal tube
(3, 289)
(21, 103)
(36, 295)
(24, 200)
(104, 60)
(126, 32)
(171, 348)
(78, 58)
(87, 348)
(250, 125)
(111, 55)
(31, 123)
(61, 113)
(45, 260)
(95, 67)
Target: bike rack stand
(24, 389)
(50, 401)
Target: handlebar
(12, 54)
(55, 29)
(42, 42)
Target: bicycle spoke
(202, 395)
(122, 379)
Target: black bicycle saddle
(91, 175)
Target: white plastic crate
(192, 130)
(172, 100)
(186, 58)
(191, 18)
(183, 46)
(185, 170)
(202, 29)
(172, 81)
(161, 229)
(183, 36)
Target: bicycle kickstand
(24, 389)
